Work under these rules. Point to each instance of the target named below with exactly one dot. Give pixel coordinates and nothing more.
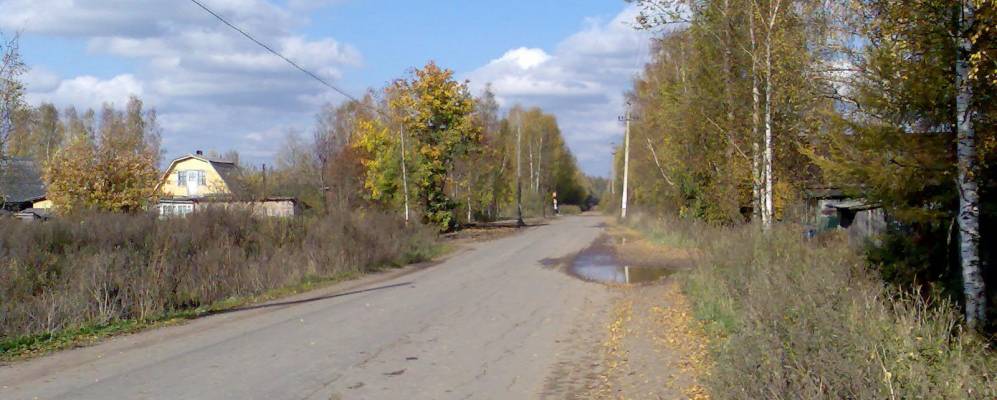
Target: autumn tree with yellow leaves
(114, 170)
(434, 112)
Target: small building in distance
(195, 182)
(830, 209)
(21, 185)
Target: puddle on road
(600, 264)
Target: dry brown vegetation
(101, 268)
(790, 318)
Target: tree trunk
(756, 156)
(540, 154)
(728, 78)
(519, 177)
(529, 183)
(969, 197)
(768, 213)
(658, 163)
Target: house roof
(229, 172)
(20, 180)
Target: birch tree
(969, 200)
(771, 18)
(757, 174)
(12, 67)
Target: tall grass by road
(798, 319)
(90, 271)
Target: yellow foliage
(86, 176)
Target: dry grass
(790, 318)
(92, 271)
(635, 247)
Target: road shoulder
(644, 343)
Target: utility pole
(626, 161)
(401, 134)
(519, 180)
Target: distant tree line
(460, 154)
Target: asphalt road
(487, 323)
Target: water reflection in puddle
(602, 266)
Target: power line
(275, 52)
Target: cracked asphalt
(489, 322)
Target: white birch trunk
(540, 154)
(768, 212)
(969, 197)
(529, 180)
(756, 156)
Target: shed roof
(20, 180)
(824, 192)
(855, 205)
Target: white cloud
(39, 78)
(137, 18)
(523, 58)
(91, 92)
(211, 86)
(582, 82)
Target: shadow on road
(303, 301)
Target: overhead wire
(275, 52)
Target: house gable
(215, 182)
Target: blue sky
(215, 90)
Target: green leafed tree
(437, 113)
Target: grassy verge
(789, 318)
(71, 282)
(29, 346)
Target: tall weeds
(96, 269)
(798, 319)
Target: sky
(216, 90)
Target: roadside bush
(803, 319)
(99, 268)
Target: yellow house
(196, 176)
(194, 182)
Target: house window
(193, 175)
(175, 210)
(184, 209)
